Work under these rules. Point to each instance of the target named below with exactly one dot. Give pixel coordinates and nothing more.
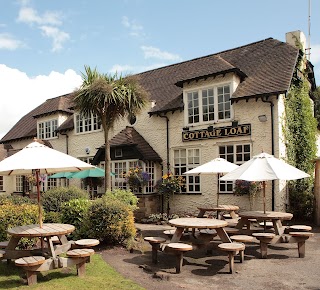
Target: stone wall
(148, 204)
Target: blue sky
(44, 45)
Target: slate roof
(130, 137)
(265, 68)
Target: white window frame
(19, 183)
(47, 129)
(198, 91)
(185, 159)
(86, 124)
(1, 183)
(236, 158)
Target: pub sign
(218, 132)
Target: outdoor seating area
(56, 250)
(214, 235)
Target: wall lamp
(263, 118)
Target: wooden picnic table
(221, 208)
(275, 217)
(196, 223)
(47, 231)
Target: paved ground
(281, 270)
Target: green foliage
(53, 199)
(316, 94)
(12, 215)
(74, 212)
(300, 134)
(110, 220)
(52, 217)
(126, 196)
(14, 199)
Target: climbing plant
(300, 131)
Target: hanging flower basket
(136, 178)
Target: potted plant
(136, 178)
(168, 185)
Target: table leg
(278, 228)
(223, 235)
(243, 222)
(201, 213)
(233, 214)
(177, 235)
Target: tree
(110, 98)
(316, 94)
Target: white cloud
(153, 52)
(47, 22)
(7, 41)
(30, 16)
(20, 93)
(118, 68)
(135, 29)
(58, 36)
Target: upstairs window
(47, 129)
(210, 104)
(1, 183)
(87, 123)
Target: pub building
(228, 104)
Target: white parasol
(264, 167)
(40, 159)
(215, 166)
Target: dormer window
(47, 129)
(208, 104)
(87, 123)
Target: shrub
(126, 196)
(18, 200)
(74, 212)
(12, 215)
(52, 217)
(110, 220)
(53, 199)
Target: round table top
(226, 207)
(268, 215)
(45, 231)
(198, 223)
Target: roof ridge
(205, 56)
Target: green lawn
(99, 275)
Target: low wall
(148, 204)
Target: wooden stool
(179, 249)
(26, 262)
(241, 239)
(232, 223)
(300, 228)
(81, 253)
(4, 244)
(87, 243)
(169, 233)
(232, 249)
(265, 239)
(155, 244)
(301, 238)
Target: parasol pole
(264, 203)
(218, 175)
(38, 196)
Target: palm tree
(110, 98)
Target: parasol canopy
(40, 159)
(264, 167)
(215, 166)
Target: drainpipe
(67, 141)
(168, 156)
(272, 147)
